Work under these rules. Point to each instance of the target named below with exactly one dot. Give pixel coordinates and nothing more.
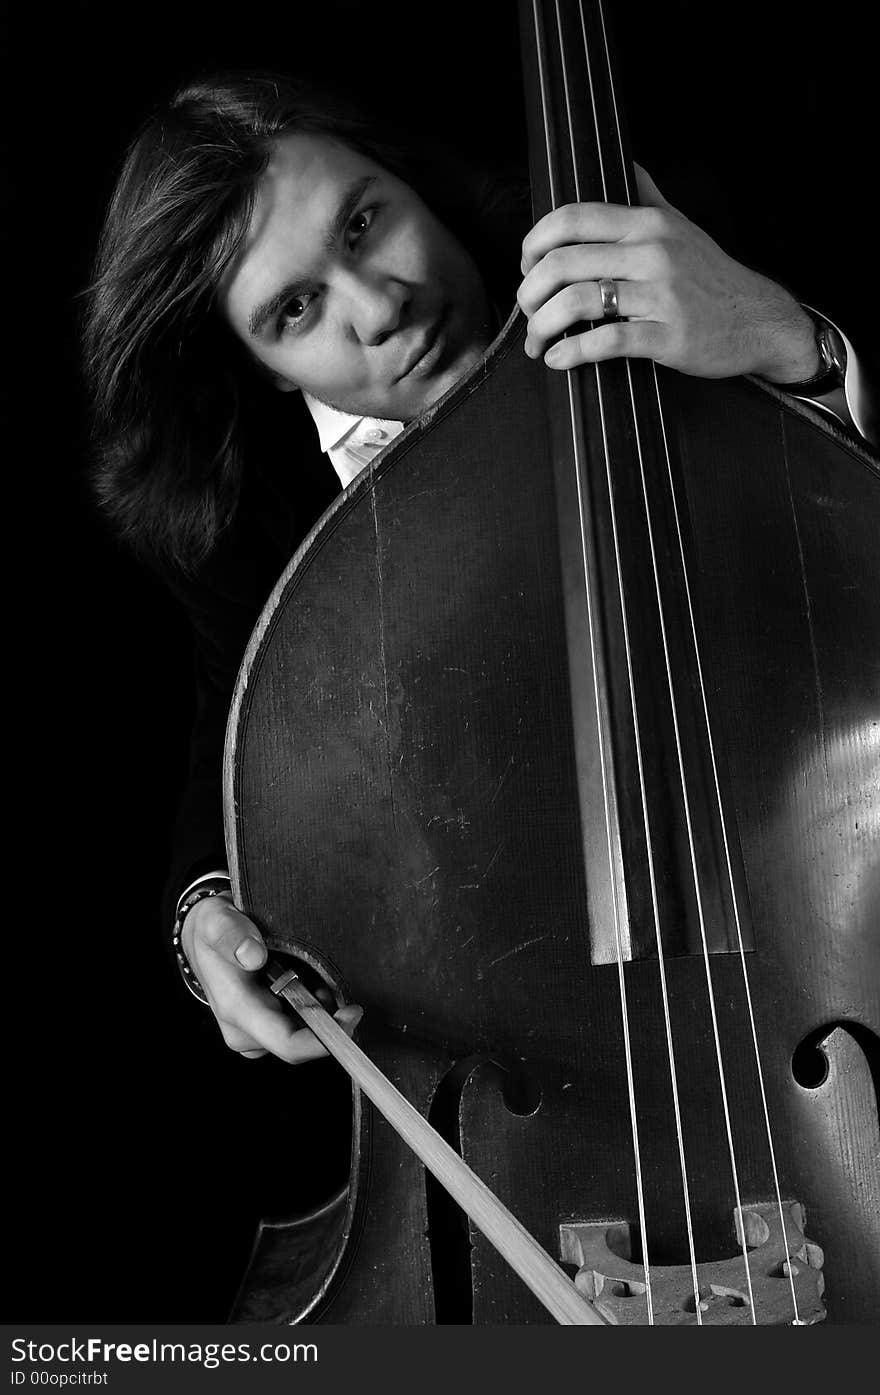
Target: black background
(138, 1150)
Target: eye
(295, 310)
(360, 224)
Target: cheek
(319, 363)
(419, 250)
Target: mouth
(428, 351)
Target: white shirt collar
(333, 426)
(349, 441)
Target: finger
(254, 1018)
(231, 935)
(249, 1015)
(570, 266)
(623, 339)
(649, 195)
(576, 223)
(583, 302)
(296, 1045)
(292, 1046)
(240, 1041)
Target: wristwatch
(832, 362)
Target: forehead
(298, 196)
(302, 181)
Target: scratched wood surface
(401, 797)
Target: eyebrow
(266, 311)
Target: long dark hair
(170, 384)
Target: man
(265, 242)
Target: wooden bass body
(414, 807)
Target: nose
(377, 305)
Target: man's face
(348, 287)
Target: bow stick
(547, 1281)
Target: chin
(439, 386)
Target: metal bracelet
(199, 894)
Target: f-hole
(448, 1232)
(448, 1235)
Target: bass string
(682, 775)
(679, 757)
(681, 770)
(671, 1059)
(711, 751)
(670, 1049)
(741, 948)
(598, 704)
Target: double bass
(556, 748)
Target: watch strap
(832, 363)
